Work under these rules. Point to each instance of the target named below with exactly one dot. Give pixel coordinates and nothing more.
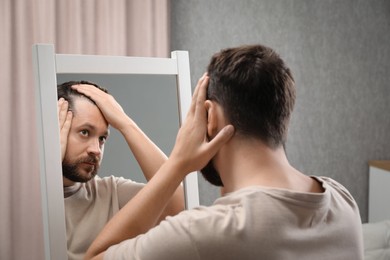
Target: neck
(67, 182)
(248, 162)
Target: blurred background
(338, 51)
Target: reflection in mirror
(154, 92)
(151, 102)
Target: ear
(212, 118)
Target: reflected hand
(64, 121)
(192, 149)
(110, 108)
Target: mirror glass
(151, 102)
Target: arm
(191, 152)
(147, 154)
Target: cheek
(73, 148)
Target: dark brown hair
(65, 91)
(256, 90)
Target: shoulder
(171, 239)
(336, 187)
(120, 188)
(111, 181)
(109, 186)
(176, 237)
(210, 223)
(340, 199)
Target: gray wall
(339, 52)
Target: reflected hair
(256, 91)
(65, 91)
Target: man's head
(65, 91)
(256, 91)
(87, 135)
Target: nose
(94, 147)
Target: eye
(102, 139)
(84, 132)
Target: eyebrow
(93, 128)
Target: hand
(65, 121)
(110, 108)
(192, 149)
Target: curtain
(105, 27)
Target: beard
(71, 171)
(211, 174)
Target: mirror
(151, 101)
(154, 92)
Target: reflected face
(85, 147)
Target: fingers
(201, 82)
(220, 139)
(62, 111)
(201, 97)
(90, 91)
(226, 133)
(195, 148)
(65, 121)
(64, 116)
(110, 108)
(103, 100)
(64, 133)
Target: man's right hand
(110, 108)
(192, 149)
(65, 121)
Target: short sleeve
(126, 190)
(170, 240)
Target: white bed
(376, 238)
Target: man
(268, 209)
(91, 201)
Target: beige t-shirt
(89, 206)
(257, 223)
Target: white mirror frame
(47, 64)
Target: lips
(89, 163)
(89, 166)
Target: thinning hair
(65, 91)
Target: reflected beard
(70, 169)
(211, 174)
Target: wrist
(178, 167)
(126, 124)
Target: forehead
(87, 113)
